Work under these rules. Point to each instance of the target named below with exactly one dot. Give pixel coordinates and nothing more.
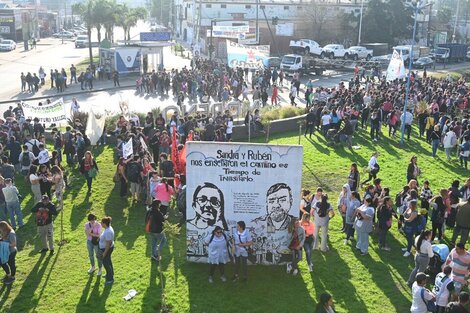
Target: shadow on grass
(4, 293)
(29, 286)
(347, 294)
(153, 290)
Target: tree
(315, 15)
(444, 15)
(374, 22)
(86, 11)
(160, 10)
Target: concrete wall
(280, 126)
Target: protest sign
(127, 149)
(53, 112)
(252, 57)
(255, 183)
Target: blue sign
(155, 36)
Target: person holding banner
(89, 169)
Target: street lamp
(419, 6)
(360, 24)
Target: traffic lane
(60, 56)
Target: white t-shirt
(426, 247)
(418, 305)
(325, 119)
(43, 156)
(372, 162)
(440, 289)
(107, 235)
(33, 177)
(229, 127)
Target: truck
(291, 63)
(358, 52)
(405, 50)
(335, 51)
(450, 52)
(305, 46)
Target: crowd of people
(149, 176)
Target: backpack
(35, 149)
(133, 172)
(399, 200)
(181, 201)
(25, 159)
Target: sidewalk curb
(58, 95)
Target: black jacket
(156, 220)
(44, 217)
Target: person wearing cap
(459, 306)
(443, 286)
(421, 295)
(44, 211)
(411, 225)
(459, 260)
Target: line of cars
(331, 51)
(79, 33)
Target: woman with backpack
(154, 221)
(88, 168)
(423, 254)
(322, 213)
(438, 214)
(164, 192)
(217, 252)
(296, 239)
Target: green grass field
(373, 283)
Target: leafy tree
(161, 11)
(444, 15)
(375, 21)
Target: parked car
(358, 52)
(7, 45)
(63, 34)
(81, 41)
(305, 46)
(334, 51)
(424, 62)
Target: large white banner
(227, 31)
(246, 56)
(94, 127)
(255, 183)
(53, 112)
(396, 67)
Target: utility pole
(360, 24)
(257, 26)
(455, 22)
(199, 21)
(211, 47)
(429, 24)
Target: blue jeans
(435, 145)
(92, 252)
(13, 209)
(158, 242)
(362, 241)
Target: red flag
(175, 157)
(183, 154)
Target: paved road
(50, 53)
